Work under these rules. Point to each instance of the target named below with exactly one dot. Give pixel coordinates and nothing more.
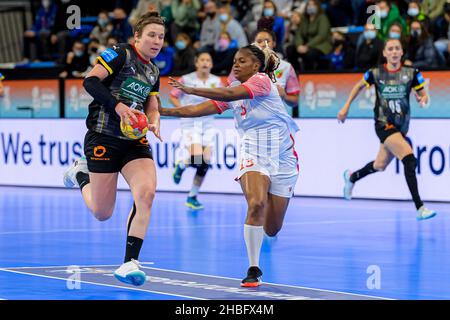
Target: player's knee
(272, 231)
(410, 163)
(256, 206)
(379, 165)
(145, 196)
(102, 214)
(202, 169)
(196, 160)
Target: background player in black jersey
(393, 83)
(124, 76)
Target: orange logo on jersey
(388, 126)
(248, 163)
(144, 141)
(99, 151)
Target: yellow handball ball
(135, 130)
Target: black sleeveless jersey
(131, 81)
(393, 89)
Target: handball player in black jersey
(393, 83)
(123, 82)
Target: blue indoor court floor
(52, 248)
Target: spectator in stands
(94, 49)
(442, 32)
(209, 29)
(76, 61)
(184, 55)
(415, 13)
(59, 33)
(421, 51)
(230, 25)
(368, 49)
(142, 7)
(340, 13)
(185, 18)
(342, 57)
(225, 50)
(103, 29)
(286, 7)
(111, 41)
(433, 8)
(389, 14)
(294, 24)
(239, 8)
(121, 28)
(37, 40)
(359, 8)
(270, 10)
(312, 39)
(164, 60)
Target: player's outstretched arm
(219, 94)
(202, 109)
(342, 114)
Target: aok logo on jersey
(393, 91)
(135, 90)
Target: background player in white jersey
(285, 76)
(197, 134)
(268, 161)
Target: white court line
(102, 284)
(210, 226)
(204, 275)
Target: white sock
(194, 190)
(253, 236)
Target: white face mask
(223, 17)
(412, 12)
(46, 3)
(383, 14)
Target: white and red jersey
(192, 80)
(285, 77)
(265, 128)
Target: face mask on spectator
(370, 34)
(211, 14)
(412, 12)
(180, 44)
(394, 35)
(416, 33)
(383, 14)
(102, 22)
(223, 44)
(223, 17)
(338, 42)
(311, 10)
(268, 12)
(78, 53)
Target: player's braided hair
(146, 19)
(268, 59)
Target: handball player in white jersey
(197, 133)
(268, 167)
(286, 79)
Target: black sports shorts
(383, 131)
(107, 154)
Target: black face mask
(211, 14)
(337, 43)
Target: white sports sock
(194, 190)
(253, 236)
